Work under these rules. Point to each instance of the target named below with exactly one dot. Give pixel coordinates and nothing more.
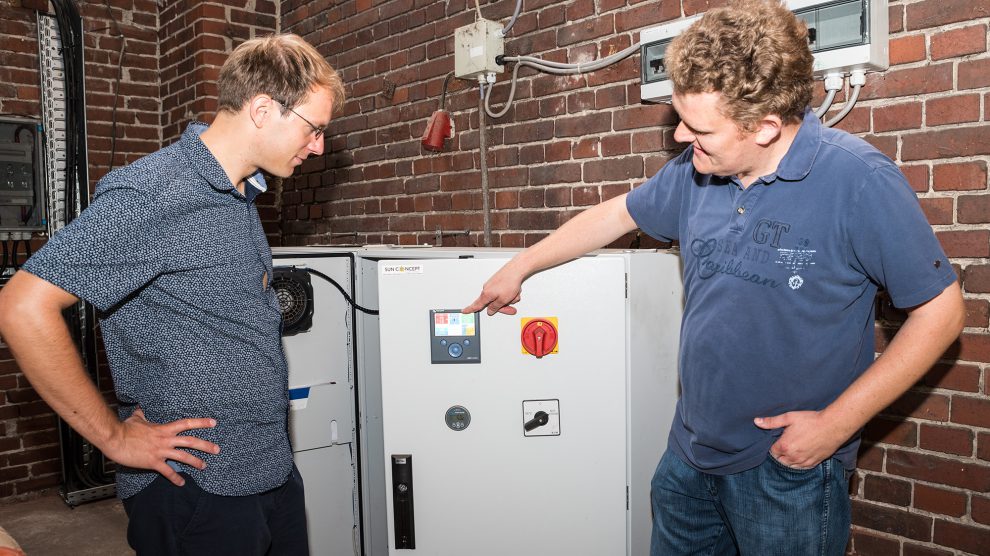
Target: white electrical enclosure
(471, 467)
(475, 48)
(322, 408)
(335, 391)
(363, 389)
(844, 36)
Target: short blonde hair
(755, 53)
(283, 66)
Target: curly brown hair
(755, 53)
(284, 66)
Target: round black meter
(458, 418)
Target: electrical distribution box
(656, 85)
(22, 193)
(475, 48)
(844, 35)
(333, 353)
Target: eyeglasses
(317, 130)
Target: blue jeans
(768, 510)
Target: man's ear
(768, 129)
(262, 108)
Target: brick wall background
(195, 37)
(567, 143)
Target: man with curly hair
(172, 254)
(787, 230)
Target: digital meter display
(458, 418)
(453, 324)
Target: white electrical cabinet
(421, 429)
(322, 415)
(491, 449)
(335, 424)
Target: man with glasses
(317, 130)
(172, 253)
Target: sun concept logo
(402, 269)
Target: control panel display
(454, 337)
(453, 324)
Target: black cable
(79, 103)
(3, 258)
(68, 68)
(81, 317)
(636, 241)
(443, 94)
(17, 265)
(342, 292)
(116, 87)
(77, 180)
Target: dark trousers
(166, 520)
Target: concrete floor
(45, 526)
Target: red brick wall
(924, 475)
(194, 39)
(570, 142)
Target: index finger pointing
(478, 305)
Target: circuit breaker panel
(843, 35)
(544, 440)
(22, 192)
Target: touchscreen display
(453, 324)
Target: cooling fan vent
(295, 299)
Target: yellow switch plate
(522, 325)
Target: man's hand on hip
(141, 444)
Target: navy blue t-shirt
(779, 282)
(178, 265)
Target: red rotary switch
(539, 337)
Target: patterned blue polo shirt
(779, 282)
(178, 266)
